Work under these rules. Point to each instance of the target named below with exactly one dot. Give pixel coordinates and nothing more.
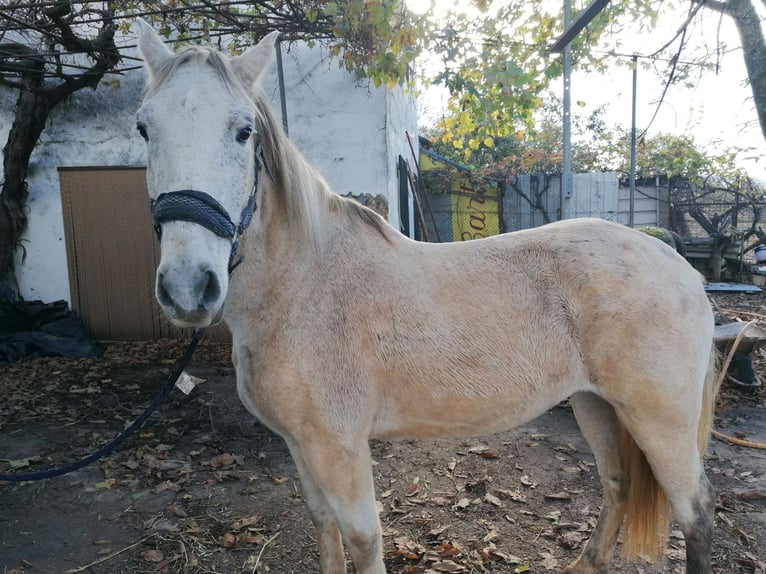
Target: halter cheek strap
(201, 208)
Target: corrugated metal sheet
(531, 201)
(595, 195)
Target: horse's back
(599, 270)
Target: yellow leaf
(473, 143)
(107, 484)
(489, 142)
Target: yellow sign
(475, 212)
(474, 205)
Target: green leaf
(331, 8)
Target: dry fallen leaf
(570, 539)
(514, 495)
(413, 488)
(508, 558)
(525, 480)
(549, 562)
(407, 548)
(436, 532)
(230, 540)
(463, 503)
(224, 460)
(448, 550)
(557, 496)
(447, 566)
(245, 522)
(154, 556)
(676, 554)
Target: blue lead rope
(182, 363)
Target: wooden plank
(110, 251)
(728, 332)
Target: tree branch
(716, 6)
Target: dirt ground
(204, 488)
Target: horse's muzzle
(190, 300)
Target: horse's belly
(458, 416)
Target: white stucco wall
(351, 131)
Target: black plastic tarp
(31, 329)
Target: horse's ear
(151, 46)
(254, 62)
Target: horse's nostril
(212, 290)
(162, 293)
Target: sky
(717, 110)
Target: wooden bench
(753, 337)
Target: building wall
(349, 130)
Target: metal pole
(632, 207)
(281, 78)
(566, 160)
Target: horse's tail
(712, 384)
(647, 509)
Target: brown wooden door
(112, 254)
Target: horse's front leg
(341, 467)
(331, 557)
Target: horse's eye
(244, 134)
(142, 130)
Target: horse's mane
(304, 194)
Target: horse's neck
(278, 257)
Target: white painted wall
(351, 131)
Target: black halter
(201, 208)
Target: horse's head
(201, 126)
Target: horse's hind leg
(677, 467)
(601, 428)
(698, 529)
(331, 557)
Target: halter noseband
(201, 208)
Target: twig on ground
(738, 441)
(109, 557)
(265, 544)
(740, 312)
